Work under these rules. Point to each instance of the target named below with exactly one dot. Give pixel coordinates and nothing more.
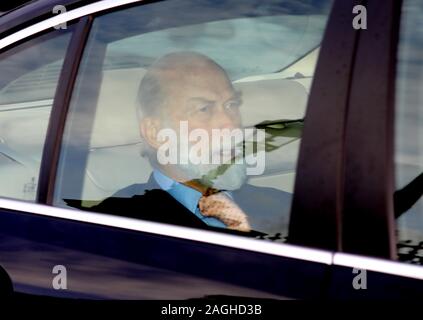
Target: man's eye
(233, 104)
(204, 107)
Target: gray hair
(152, 94)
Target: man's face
(204, 99)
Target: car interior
(115, 139)
(116, 142)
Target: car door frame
(327, 74)
(56, 127)
(333, 71)
(329, 215)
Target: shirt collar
(185, 195)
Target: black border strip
(60, 107)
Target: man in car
(190, 89)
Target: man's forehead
(211, 90)
(184, 83)
(193, 73)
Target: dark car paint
(105, 262)
(378, 286)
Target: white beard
(232, 178)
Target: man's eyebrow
(193, 100)
(236, 96)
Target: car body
(340, 174)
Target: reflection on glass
(28, 80)
(141, 143)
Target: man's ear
(149, 129)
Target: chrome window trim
(205, 236)
(378, 265)
(61, 18)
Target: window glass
(193, 118)
(409, 135)
(28, 80)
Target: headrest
(116, 121)
(116, 125)
(265, 100)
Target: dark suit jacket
(267, 208)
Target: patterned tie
(220, 206)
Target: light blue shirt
(186, 196)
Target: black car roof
(9, 6)
(32, 12)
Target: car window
(28, 80)
(193, 118)
(409, 135)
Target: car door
(92, 147)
